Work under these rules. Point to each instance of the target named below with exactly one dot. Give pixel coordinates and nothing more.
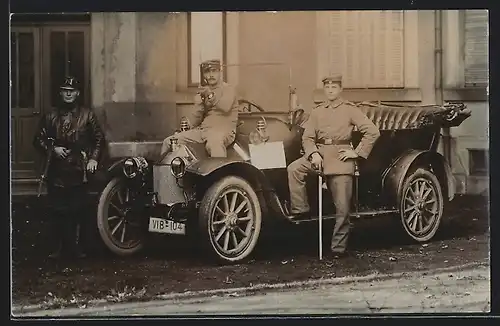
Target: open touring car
(225, 200)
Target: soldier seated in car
(327, 146)
(215, 117)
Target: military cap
(332, 79)
(209, 64)
(70, 83)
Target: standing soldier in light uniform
(215, 118)
(327, 146)
(78, 142)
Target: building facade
(141, 70)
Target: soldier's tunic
(328, 130)
(215, 126)
(78, 130)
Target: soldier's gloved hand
(61, 152)
(207, 95)
(204, 91)
(346, 154)
(210, 100)
(92, 166)
(317, 161)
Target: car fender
(393, 178)
(214, 166)
(113, 167)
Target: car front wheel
(230, 219)
(421, 206)
(118, 222)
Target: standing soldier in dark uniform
(75, 138)
(216, 116)
(327, 146)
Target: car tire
(421, 205)
(218, 237)
(103, 221)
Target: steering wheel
(247, 106)
(297, 117)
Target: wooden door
(25, 98)
(42, 55)
(66, 52)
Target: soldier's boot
(58, 235)
(340, 238)
(78, 243)
(75, 248)
(299, 203)
(57, 253)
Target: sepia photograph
(249, 163)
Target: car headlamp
(178, 167)
(134, 166)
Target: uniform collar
(72, 110)
(335, 104)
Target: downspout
(439, 78)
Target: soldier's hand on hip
(317, 161)
(346, 154)
(92, 166)
(61, 152)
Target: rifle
(43, 177)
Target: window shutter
(207, 40)
(476, 47)
(336, 40)
(366, 47)
(353, 32)
(395, 57)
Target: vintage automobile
(225, 201)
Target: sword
(320, 213)
(43, 177)
(356, 183)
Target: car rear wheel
(230, 219)
(421, 206)
(117, 222)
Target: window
(476, 48)
(23, 69)
(478, 162)
(206, 40)
(367, 48)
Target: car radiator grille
(165, 185)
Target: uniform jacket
(82, 134)
(223, 115)
(335, 122)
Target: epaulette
(350, 103)
(318, 105)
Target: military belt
(329, 141)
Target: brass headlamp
(185, 125)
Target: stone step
(26, 187)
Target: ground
(377, 245)
(462, 291)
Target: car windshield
(266, 84)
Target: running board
(352, 215)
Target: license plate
(160, 225)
